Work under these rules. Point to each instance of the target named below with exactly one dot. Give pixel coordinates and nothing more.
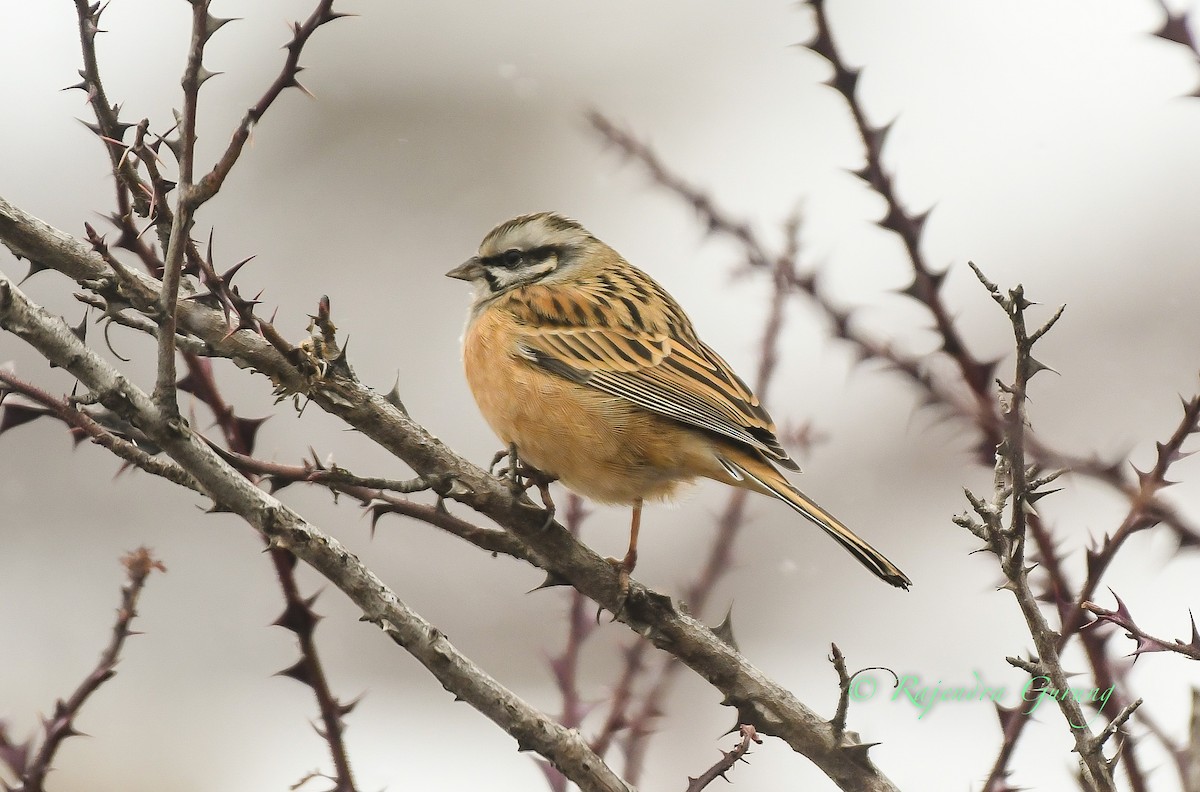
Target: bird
(592, 374)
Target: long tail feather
(773, 483)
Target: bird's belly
(603, 447)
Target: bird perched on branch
(594, 375)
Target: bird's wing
(632, 340)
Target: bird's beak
(468, 270)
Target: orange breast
(601, 446)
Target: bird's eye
(510, 258)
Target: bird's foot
(521, 476)
(623, 568)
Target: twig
(927, 284)
(287, 78)
(1007, 542)
(1144, 510)
(194, 75)
(72, 416)
(843, 706)
(174, 228)
(1146, 507)
(298, 615)
(139, 322)
(61, 725)
(1145, 641)
(108, 126)
(727, 761)
(369, 492)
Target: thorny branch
(1146, 507)
(844, 679)
(32, 766)
(376, 494)
(727, 761)
(181, 255)
(287, 530)
(927, 284)
(298, 615)
(84, 424)
(1014, 490)
(1146, 642)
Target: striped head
(532, 248)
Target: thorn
(247, 429)
(34, 268)
(918, 222)
(858, 752)
(1034, 497)
(212, 24)
(345, 709)
(1036, 367)
(340, 363)
(392, 397)
(551, 581)
(724, 630)
(203, 75)
(294, 83)
(14, 415)
(377, 511)
(298, 672)
(1006, 715)
(227, 277)
(299, 618)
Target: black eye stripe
(513, 258)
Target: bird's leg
(630, 559)
(625, 565)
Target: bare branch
(1145, 641)
(843, 706)
(61, 725)
(109, 127)
(1007, 542)
(287, 78)
(79, 420)
(728, 760)
(286, 529)
(927, 284)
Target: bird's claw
(621, 565)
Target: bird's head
(534, 248)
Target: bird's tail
(759, 475)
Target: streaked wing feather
(637, 343)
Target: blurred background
(1054, 141)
